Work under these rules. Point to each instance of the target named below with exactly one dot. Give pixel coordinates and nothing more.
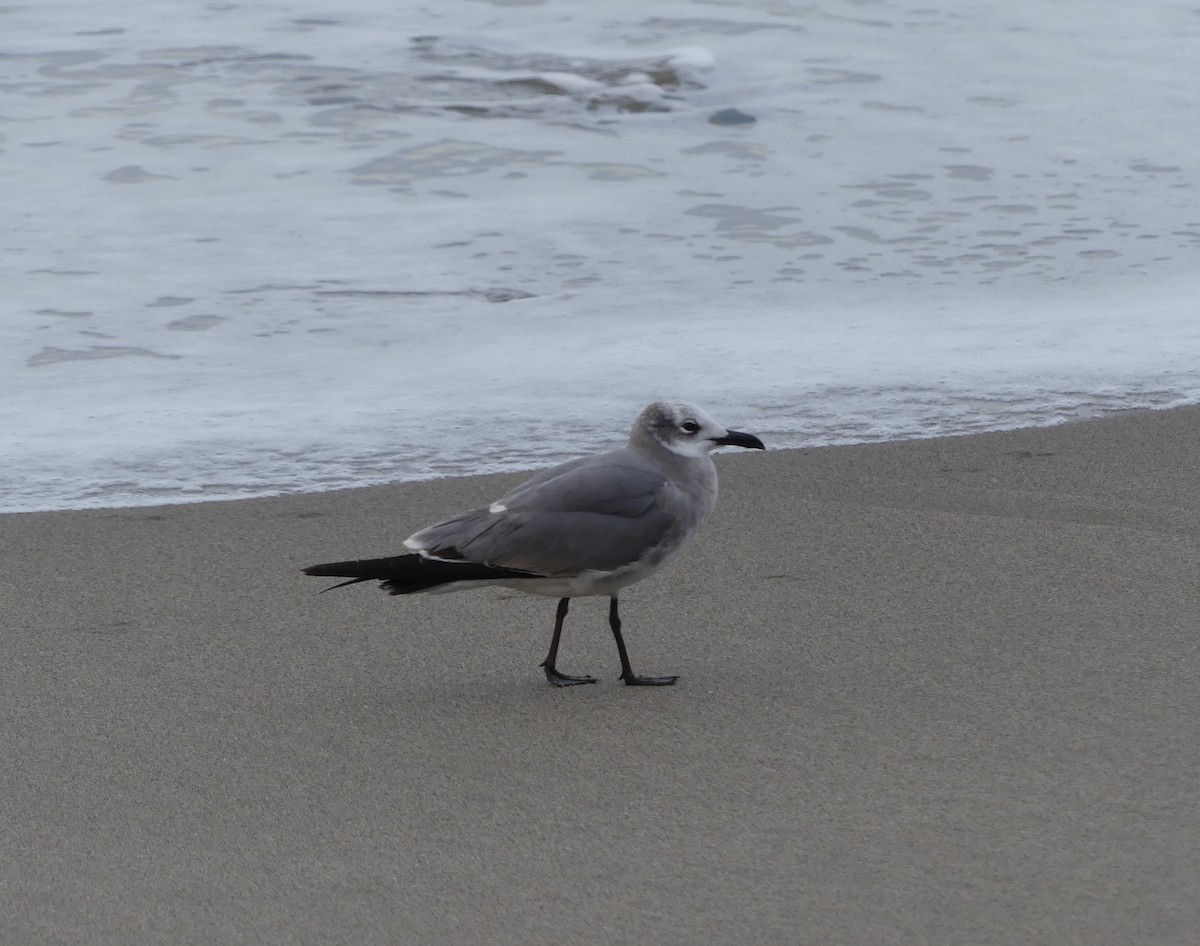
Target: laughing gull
(591, 526)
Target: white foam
(692, 57)
(570, 83)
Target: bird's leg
(631, 679)
(560, 679)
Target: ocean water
(268, 246)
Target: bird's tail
(409, 574)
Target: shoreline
(936, 690)
(520, 474)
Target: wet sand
(942, 691)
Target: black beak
(735, 438)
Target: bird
(588, 527)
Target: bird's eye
(690, 426)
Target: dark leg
(560, 679)
(631, 679)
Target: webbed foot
(564, 679)
(633, 680)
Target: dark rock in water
(731, 116)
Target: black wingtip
(340, 584)
(409, 574)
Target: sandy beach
(932, 692)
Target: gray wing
(595, 513)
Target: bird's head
(687, 430)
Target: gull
(592, 526)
